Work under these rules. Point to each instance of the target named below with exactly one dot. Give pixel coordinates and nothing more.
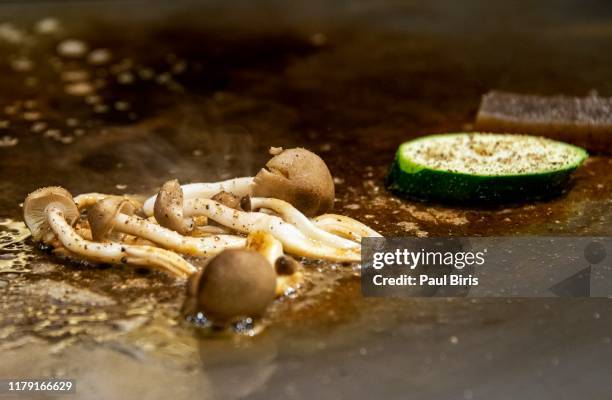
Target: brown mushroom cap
(286, 265)
(168, 208)
(299, 177)
(228, 199)
(36, 204)
(102, 215)
(235, 283)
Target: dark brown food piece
(228, 199)
(299, 177)
(286, 265)
(583, 121)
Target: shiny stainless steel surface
(199, 92)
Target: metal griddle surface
(349, 82)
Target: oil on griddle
(116, 97)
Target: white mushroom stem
(87, 200)
(116, 253)
(294, 241)
(272, 249)
(295, 217)
(207, 230)
(344, 226)
(266, 245)
(237, 186)
(197, 246)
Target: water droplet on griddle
(53, 133)
(72, 48)
(163, 78)
(93, 99)
(11, 109)
(8, 141)
(99, 57)
(122, 105)
(10, 34)
(179, 67)
(72, 122)
(47, 26)
(31, 115)
(78, 75)
(125, 78)
(21, 64)
(100, 108)
(79, 89)
(146, 73)
(38, 127)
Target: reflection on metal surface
(384, 73)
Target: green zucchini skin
(429, 184)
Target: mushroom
(292, 239)
(168, 208)
(245, 222)
(297, 176)
(87, 200)
(295, 217)
(287, 266)
(235, 283)
(102, 216)
(113, 213)
(231, 200)
(50, 213)
(37, 205)
(288, 270)
(238, 186)
(344, 226)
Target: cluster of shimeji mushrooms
(245, 227)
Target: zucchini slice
(483, 167)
